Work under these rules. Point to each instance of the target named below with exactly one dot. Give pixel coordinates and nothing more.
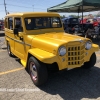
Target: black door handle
(21, 38)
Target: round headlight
(62, 50)
(88, 45)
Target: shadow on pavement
(74, 84)
(2, 33)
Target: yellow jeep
(39, 41)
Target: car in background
(98, 19)
(71, 25)
(1, 25)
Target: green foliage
(98, 15)
(62, 16)
(75, 16)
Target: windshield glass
(74, 20)
(34, 23)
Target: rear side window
(18, 24)
(10, 23)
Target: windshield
(74, 20)
(34, 23)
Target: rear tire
(90, 63)
(9, 50)
(38, 71)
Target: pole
(82, 17)
(5, 7)
(33, 8)
(78, 18)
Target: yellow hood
(52, 41)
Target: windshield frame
(60, 24)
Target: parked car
(71, 25)
(98, 19)
(39, 41)
(1, 26)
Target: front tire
(90, 63)
(38, 71)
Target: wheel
(90, 63)
(38, 71)
(9, 50)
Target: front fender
(95, 47)
(43, 56)
(88, 53)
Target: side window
(28, 23)
(18, 24)
(6, 23)
(56, 22)
(10, 23)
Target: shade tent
(76, 6)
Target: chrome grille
(75, 55)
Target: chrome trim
(18, 41)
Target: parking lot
(76, 84)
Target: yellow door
(19, 47)
(19, 41)
(9, 32)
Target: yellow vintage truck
(39, 41)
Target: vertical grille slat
(75, 55)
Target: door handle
(21, 38)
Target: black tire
(38, 71)
(90, 63)
(9, 50)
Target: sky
(14, 6)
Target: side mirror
(15, 31)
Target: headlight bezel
(88, 45)
(63, 52)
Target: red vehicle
(83, 21)
(95, 22)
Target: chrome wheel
(33, 71)
(8, 49)
(37, 71)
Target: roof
(76, 6)
(33, 13)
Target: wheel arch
(51, 67)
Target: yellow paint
(43, 44)
(23, 63)
(10, 71)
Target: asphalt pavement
(2, 33)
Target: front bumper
(76, 56)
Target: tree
(63, 16)
(98, 15)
